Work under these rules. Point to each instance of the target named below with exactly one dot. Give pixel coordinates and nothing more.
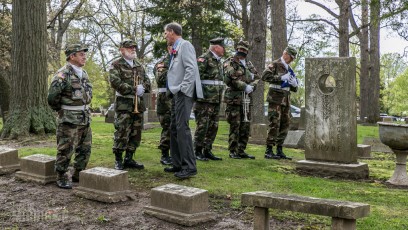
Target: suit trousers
(181, 143)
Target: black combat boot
(269, 153)
(234, 155)
(75, 175)
(280, 154)
(118, 161)
(130, 163)
(165, 158)
(243, 154)
(199, 154)
(63, 181)
(208, 154)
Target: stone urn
(396, 137)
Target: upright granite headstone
(38, 168)
(331, 139)
(152, 115)
(180, 204)
(376, 145)
(9, 162)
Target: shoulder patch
(200, 59)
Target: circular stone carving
(327, 84)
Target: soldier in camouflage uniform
(163, 103)
(206, 110)
(70, 94)
(241, 79)
(281, 80)
(123, 75)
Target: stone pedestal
(400, 174)
(376, 145)
(9, 162)
(330, 169)
(104, 184)
(364, 151)
(38, 168)
(295, 139)
(180, 204)
(259, 133)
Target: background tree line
(352, 28)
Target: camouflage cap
(291, 51)
(243, 45)
(127, 43)
(217, 41)
(73, 48)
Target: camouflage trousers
(206, 117)
(73, 138)
(128, 131)
(164, 119)
(279, 119)
(239, 130)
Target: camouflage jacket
(68, 89)
(210, 69)
(163, 102)
(122, 79)
(237, 77)
(272, 74)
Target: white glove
(140, 90)
(249, 89)
(285, 77)
(293, 81)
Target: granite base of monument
(9, 161)
(38, 168)
(330, 169)
(104, 185)
(180, 204)
(258, 134)
(295, 139)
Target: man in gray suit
(183, 81)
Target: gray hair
(175, 27)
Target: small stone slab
(104, 185)
(311, 205)
(38, 168)
(376, 145)
(110, 116)
(295, 139)
(180, 204)
(9, 161)
(364, 151)
(331, 169)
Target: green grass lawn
(227, 179)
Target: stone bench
(343, 213)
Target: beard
(130, 55)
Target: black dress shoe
(132, 164)
(166, 161)
(245, 155)
(233, 155)
(210, 155)
(201, 158)
(185, 173)
(172, 169)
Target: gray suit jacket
(183, 72)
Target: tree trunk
(245, 19)
(343, 27)
(374, 97)
(257, 35)
(29, 112)
(364, 66)
(195, 32)
(278, 28)
(5, 97)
